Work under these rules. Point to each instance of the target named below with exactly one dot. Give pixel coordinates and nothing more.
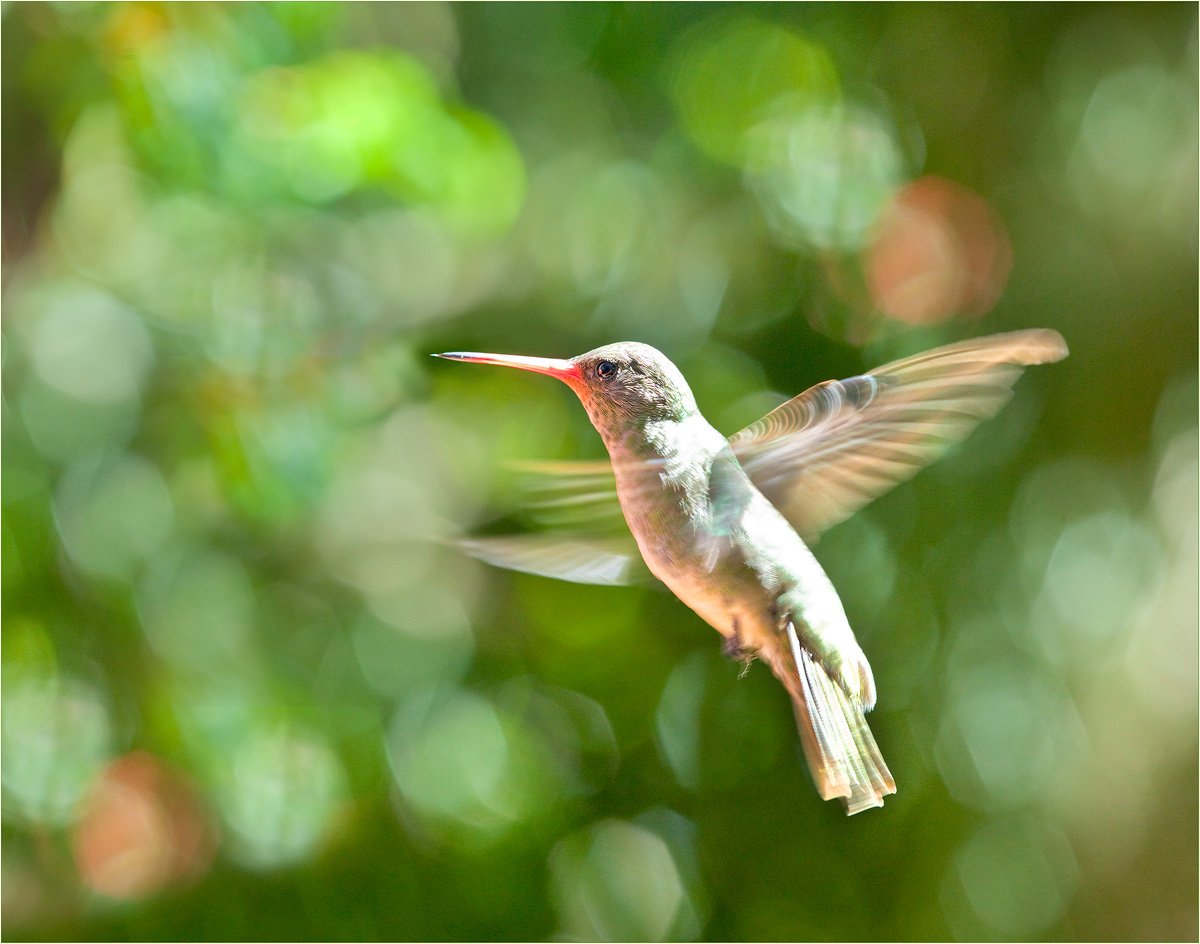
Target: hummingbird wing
(571, 496)
(577, 558)
(827, 452)
(582, 535)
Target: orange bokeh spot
(133, 27)
(939, 252)
(142, 829)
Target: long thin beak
(563, 370)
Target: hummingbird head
(621, 385)
(626, 383)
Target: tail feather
(841, 751)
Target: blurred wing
(824, 454)
(579, 559)
(571, 496)
(582, 535)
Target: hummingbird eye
(605, 369)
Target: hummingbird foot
(733, 648)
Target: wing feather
(577, 558)
(827, 452)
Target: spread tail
(841, 751)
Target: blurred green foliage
(249, 689)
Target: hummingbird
(726, 523)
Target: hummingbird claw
(732, 648)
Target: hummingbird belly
(707, 532)
(746, 573)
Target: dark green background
(232, 236)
